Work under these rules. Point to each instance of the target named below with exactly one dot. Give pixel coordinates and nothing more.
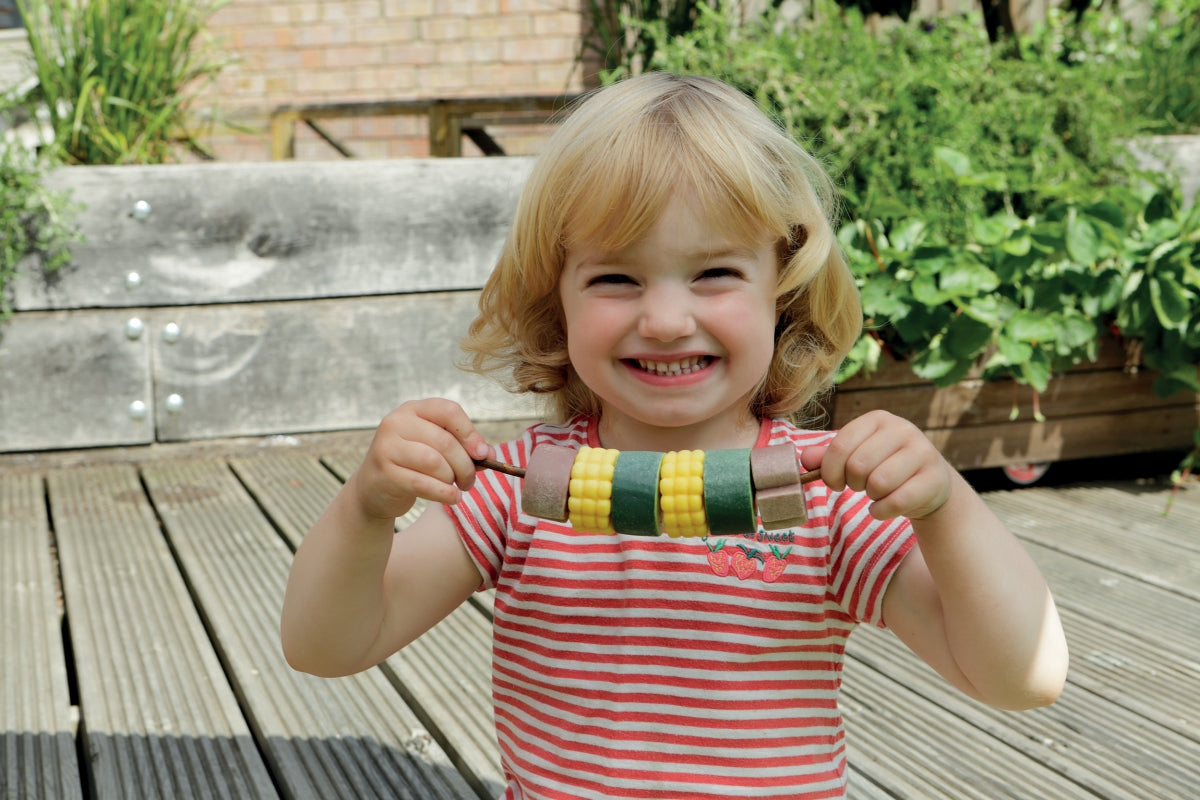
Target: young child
(672, 282)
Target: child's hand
(891, 460)
(424, 448)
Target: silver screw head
(171, 333)
(134, 328)
(140, 211)
(137, 410)
(174, 404)
(133, 280)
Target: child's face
(674, 332)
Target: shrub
(118, 77)
(34, 221)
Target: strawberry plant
(1024, 298)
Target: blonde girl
(672, 282)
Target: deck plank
(1167, 619)
(444, 675)
(1096, 742)
(1141, 545)
(215, 538)
(330, 738)
(37, 740)
(159, 718)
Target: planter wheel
(1026, 474)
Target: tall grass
(118, 77)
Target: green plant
(1029, 297)
(877, 106)
(34, 221)
(615, 31)
(118, 77)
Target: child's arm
(357, 592)
(968, 599)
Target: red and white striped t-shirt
(652, 667)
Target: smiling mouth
(684, 366)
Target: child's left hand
(891, 460)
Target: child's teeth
(684, 367)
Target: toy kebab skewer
(680, 493)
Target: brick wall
(313, 51)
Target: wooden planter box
(1091, 411)
(295, 296)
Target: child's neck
(626, 434)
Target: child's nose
(666, 317)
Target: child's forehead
(723, 227)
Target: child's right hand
(424, 448)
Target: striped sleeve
(863, 552)
(864, 555)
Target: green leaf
(967, 279)
(1017, 245)
(1013, 351)
(907, 234)
(965, 338)
(990, 231)
(1029, 326)
(1107, 212)
(1083, 240)
(1170, 301)
(1036, 371)
(884, 297)
(940, 366)
(1076, 331)
(931, 259)
(991, 309)
(958, 162)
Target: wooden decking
(140, 593)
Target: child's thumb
(811, 457)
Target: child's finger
(456, 438)
(811, 457)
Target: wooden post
(283, 134)
(445, 132)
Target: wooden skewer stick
(518, 472)
(500, 466)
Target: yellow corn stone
(589, 503)
(681, 493)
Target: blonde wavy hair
(604, 178)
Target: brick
(443, 29)
(444, 77)
(411, 9)
(538, 49)
(466, 7)
(353, 56)
(468, 53)
(322, 35)
(386, 32)
(351, 11)
(410, 53)
(566, 25)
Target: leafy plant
(118, 77)
(1029, 297)
(876, 106)
(34, 221)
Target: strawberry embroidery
(718, 559)
(775, 564)
(742, 562)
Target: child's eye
(720, 272)
(609, 278)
